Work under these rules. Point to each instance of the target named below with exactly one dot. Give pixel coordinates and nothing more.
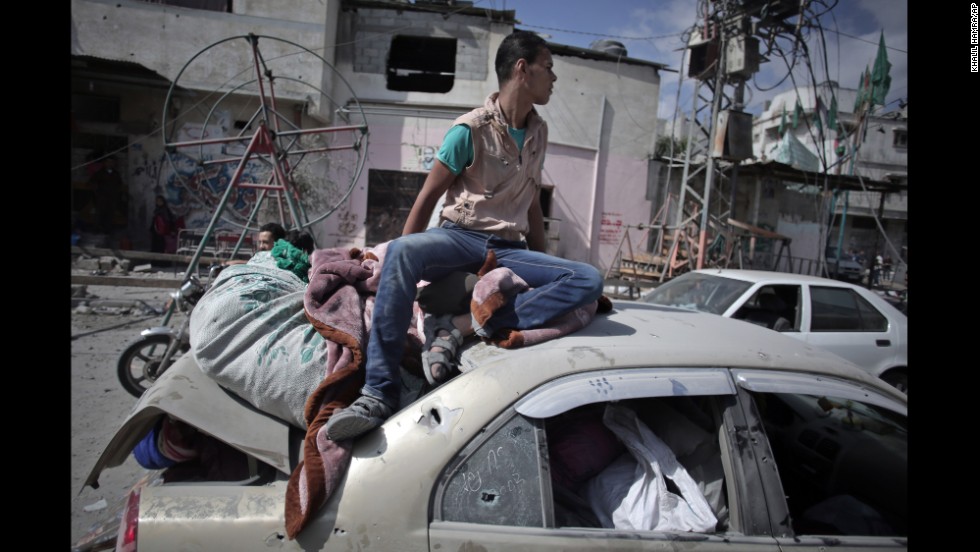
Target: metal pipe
(593, 235)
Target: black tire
(897, 379)
(138, 364)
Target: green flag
(782, 122)
(860, 92)
(797, 113)
(881, 80)
(866, 87)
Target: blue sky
(651, 30)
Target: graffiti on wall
(193, 184)
(142, 166)
(347, 222)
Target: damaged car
(652, 427)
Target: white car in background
(848, 320)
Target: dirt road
(98, 402)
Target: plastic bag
(632, 494)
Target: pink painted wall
(570, 170)
(624, 204)
(595, 236)
(583, 235)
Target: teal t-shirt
(456, 152)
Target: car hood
(189, 395)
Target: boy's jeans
(557, 286)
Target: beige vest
(494, 193)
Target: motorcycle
(142, 362)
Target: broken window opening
(901, 139)
(421, 64)
(210, 5)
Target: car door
(548, 474)
(848, 325)
(777, 306)
(840, 453)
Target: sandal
(431, 326)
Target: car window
(842, 463)
(843, 310)
(501, 483)
(651, 464)
(776, 307)
(871, 318)
(630, 463)
(702, 292)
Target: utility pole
(724, 53)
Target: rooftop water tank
(610, 47)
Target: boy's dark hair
(517, 45)
(276, 229)
(301, 240)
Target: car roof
(769, 276)
(638, 334)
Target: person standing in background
(162, 226)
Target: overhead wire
(887, 47)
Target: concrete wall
(798, 218)
(374, 28)
(364, 38)
(164, 38)
(302, 11)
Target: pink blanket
(498, 285)
(338, 302)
